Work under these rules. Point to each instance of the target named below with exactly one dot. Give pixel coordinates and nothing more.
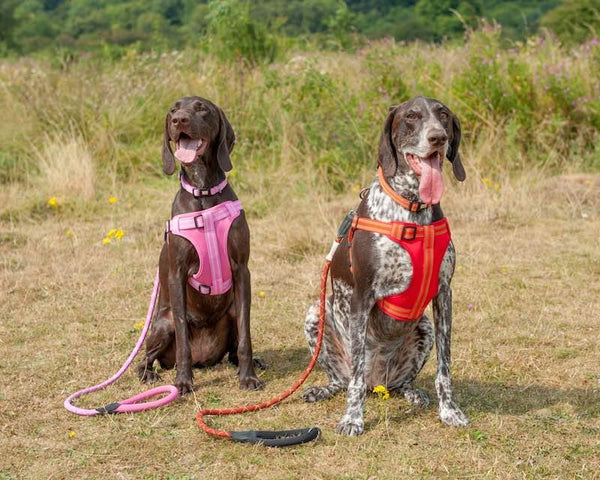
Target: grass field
(526, 225)
(525, 350)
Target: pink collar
(201, 192)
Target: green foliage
(574, 21)
(448, 17)
(316, 116)
(257, 29)
(233, 33)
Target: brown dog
(192, 328)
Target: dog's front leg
(183, 355)
(352, 422)
(248, 378)
(450, 413)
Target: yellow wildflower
(497, 186)
(504, 270)
(261, 294)
(138, 325)
(53, 202)
(381, 392)
(69, 233)
(356, 188)
(487, 181)
(72, 434)
(112, 200)
(113, 234)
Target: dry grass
(525, 354)
(66, 168)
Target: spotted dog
(363, 346)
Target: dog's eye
(412, 116)
(200, 107)
(444, 116)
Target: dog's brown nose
(180, 119)
(437, 137)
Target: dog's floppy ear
(453, 154)
(167, 152)
(226, 141)
(387, 158)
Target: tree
(447, 16)
(574, 21)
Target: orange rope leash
(252, 408)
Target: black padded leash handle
(277, 438)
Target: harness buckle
(413, 232)
(167, 230)
(414, 207)
(196, 222)
(204, 289)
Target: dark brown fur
(191, 329)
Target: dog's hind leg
(407, 362)
(232, 355)
(160, 345)
(332, 359)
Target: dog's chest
(394, 272)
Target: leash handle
(130, 404)
(275, 438)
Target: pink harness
(208, 230)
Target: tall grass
(315, 117)
(66, 167)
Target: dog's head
(200, 130)
(418, 135)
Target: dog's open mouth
(429, 171)
(188, 149)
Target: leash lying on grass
(282, 438)
(133, 404)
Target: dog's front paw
(316, 394)
(453, 416)
(251, 383)
(351, 426)
(184, 384)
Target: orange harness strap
(399, 199)
(426, 245)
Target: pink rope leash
(134, 403)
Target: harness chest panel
(208, 230)
(426, 246)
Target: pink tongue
(431, 187)
(186, 150)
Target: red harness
(426, 245)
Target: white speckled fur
(367, 348)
